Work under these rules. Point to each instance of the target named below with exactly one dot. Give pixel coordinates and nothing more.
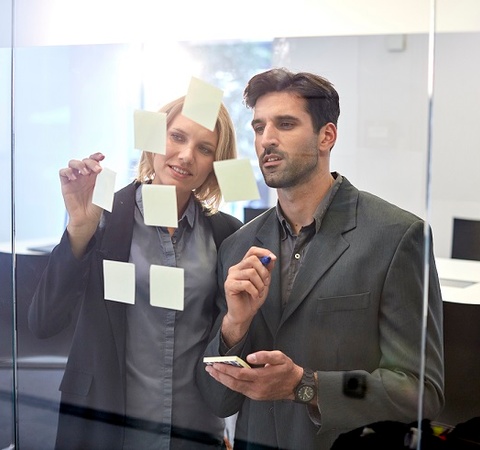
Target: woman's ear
(327, 137)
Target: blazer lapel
(268, 236)
(116, 242)
(326, 247)
(117, 237)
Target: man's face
(285, 142)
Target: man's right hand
(246, 288)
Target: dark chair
(466, 239)
(250, 213)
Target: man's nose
(269, 137)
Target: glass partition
(455, 214)
(8, 379)
(74, 93)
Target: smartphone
(232, 360)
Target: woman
(129, 380)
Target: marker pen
(265, 260)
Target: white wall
(383, 127)
(64, 22)
(456, 135)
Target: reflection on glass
(72, 101)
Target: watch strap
(306, 390)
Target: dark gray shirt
(293, 248)
(164, 345)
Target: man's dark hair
(322, 102)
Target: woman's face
(189, 157)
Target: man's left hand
(274, 376)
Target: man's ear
(327, 137)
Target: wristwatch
(306, 390)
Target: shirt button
(297, 256)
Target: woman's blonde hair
(208, 194)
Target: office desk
(459, 280)
(30, 263)
(460, 284)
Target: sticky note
(167, 287)
(150, 131)
(202, 103)
(119, 281)
(104, 189)
(159, 205)
(236, 180)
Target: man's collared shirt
(293, 248)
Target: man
(332, 324)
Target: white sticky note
(104, 189)
(159, 205)
(167, 287)
(150, 131)
(119, 281)
(236, 180)
(202, 103)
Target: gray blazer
(355, 309)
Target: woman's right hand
(78, 182)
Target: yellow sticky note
(167, 287)
(202, 103)
(104, 189)
(119, 281)
(159, 205)
(150, 131)
(236, 179)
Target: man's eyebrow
(277, 119)
(287, 117)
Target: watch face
(305, 393)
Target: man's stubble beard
(295, 173)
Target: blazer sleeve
(222, 401)
(66, 279)
(393, 389)
(60, 289)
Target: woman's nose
(186, 154)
